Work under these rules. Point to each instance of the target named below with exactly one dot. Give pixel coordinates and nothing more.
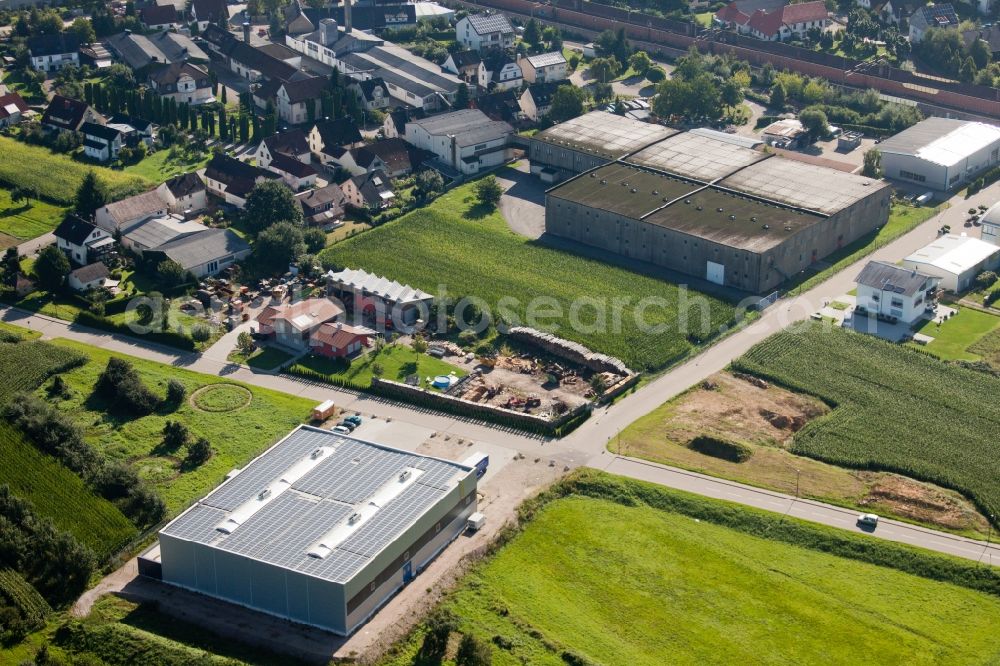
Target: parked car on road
(868, 520)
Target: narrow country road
(587, 445)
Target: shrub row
(719, 447)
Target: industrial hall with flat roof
(322, 529)
(703, 203)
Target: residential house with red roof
(777, 24)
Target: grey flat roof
(604, 134)
(401, 68)
(807, 186)
(312, 497)
(696, 156)
(470, 126)
(624, 189)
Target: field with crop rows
(55, 177)
(896, 409)
(452, 243)
(55, 491)
(20, 594)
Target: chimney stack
(246, 31)
(347, 17)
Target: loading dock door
(715, 272)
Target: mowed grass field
(25, 220)
(56, 177)
(896, 409)
(55, 491)
(955, 339)
(590, 580)
(236, 435)
(471, 252)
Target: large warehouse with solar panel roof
(702, 203)
(321, 529)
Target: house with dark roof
(395, 121)
(160, 17)
(373, 17)
(67, 115)
(122, 214)
(205, 253)
(465, 65)
(544, 67)
(894, 291)
(95, 56)
(299, 101)
(134, 130)
(182, 82)
(485, 31)
(232, 180)
(12, 109)
(500, 71)
(82, 241)
(50, 53)
(184, 193)
(329, 139)
(372, 93)
(939, 16)
(296, 21)
(536, 100)
(209, 11)
(101, 142)
(139, 51)
(788, 21)
(323, 206)
(91, 276)
(989, 35)
(369, 191)
(503, 105)
(296, 174)
(255, 64)
(395, 157)
(292, 143)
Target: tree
(198, 452)
(656, 74)
(532, 32)
(90, 195)
(873, 164)
(462, 96)
(489, 191)
(826, 41)
(51, 268)
(605, 69)
(428, 182)
(967, 72)
(979, 51)
(278, 246)
(731, 93)
(640, 62)
(10, 266)
(613, 43)
(170, 273)
(245, 343)
(175, 435)
(779, 96)
(268, 203)
(439, 626)
(567, 103)
(84, 30)
(473, 652)
(314, 239)
(814, 121)
(175, 391)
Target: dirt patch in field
(920, 501)
(740, 410)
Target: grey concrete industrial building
(941, 153)
(702, 205)
(321, 529)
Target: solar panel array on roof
(390, 521)
(197, 524)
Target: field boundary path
(587, 444)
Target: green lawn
(262, 358)
(954, 337)
(458, 245)
(397, 361)
(56, 177)
(592, 581)
(902, 219)
(235, 436)
(27, 220)
(704, 19)
(158, 166)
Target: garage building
(941, 153)
(956, 260)
(321, 529)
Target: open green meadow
(455, 243)
(159, 166)
(56, 177)
(55, 491)
(238, 431)
(651, 576)
(895, 409)
(25, 220)
(955, 339)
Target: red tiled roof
(731, 14)
(14, 100)
(339, 336)
(770, 24)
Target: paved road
(587, 445)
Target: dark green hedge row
(169, 338)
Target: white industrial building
(466, 141)
(956, 260)
(893, 291)
(321, 529)
(941, 153)
(991, 224)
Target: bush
(198, 452)
(718, 447)
(175, 392)
(121, 385)
(986, 279)
(175, 435)
(656, 74)
(473, 652)
(201, 333)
